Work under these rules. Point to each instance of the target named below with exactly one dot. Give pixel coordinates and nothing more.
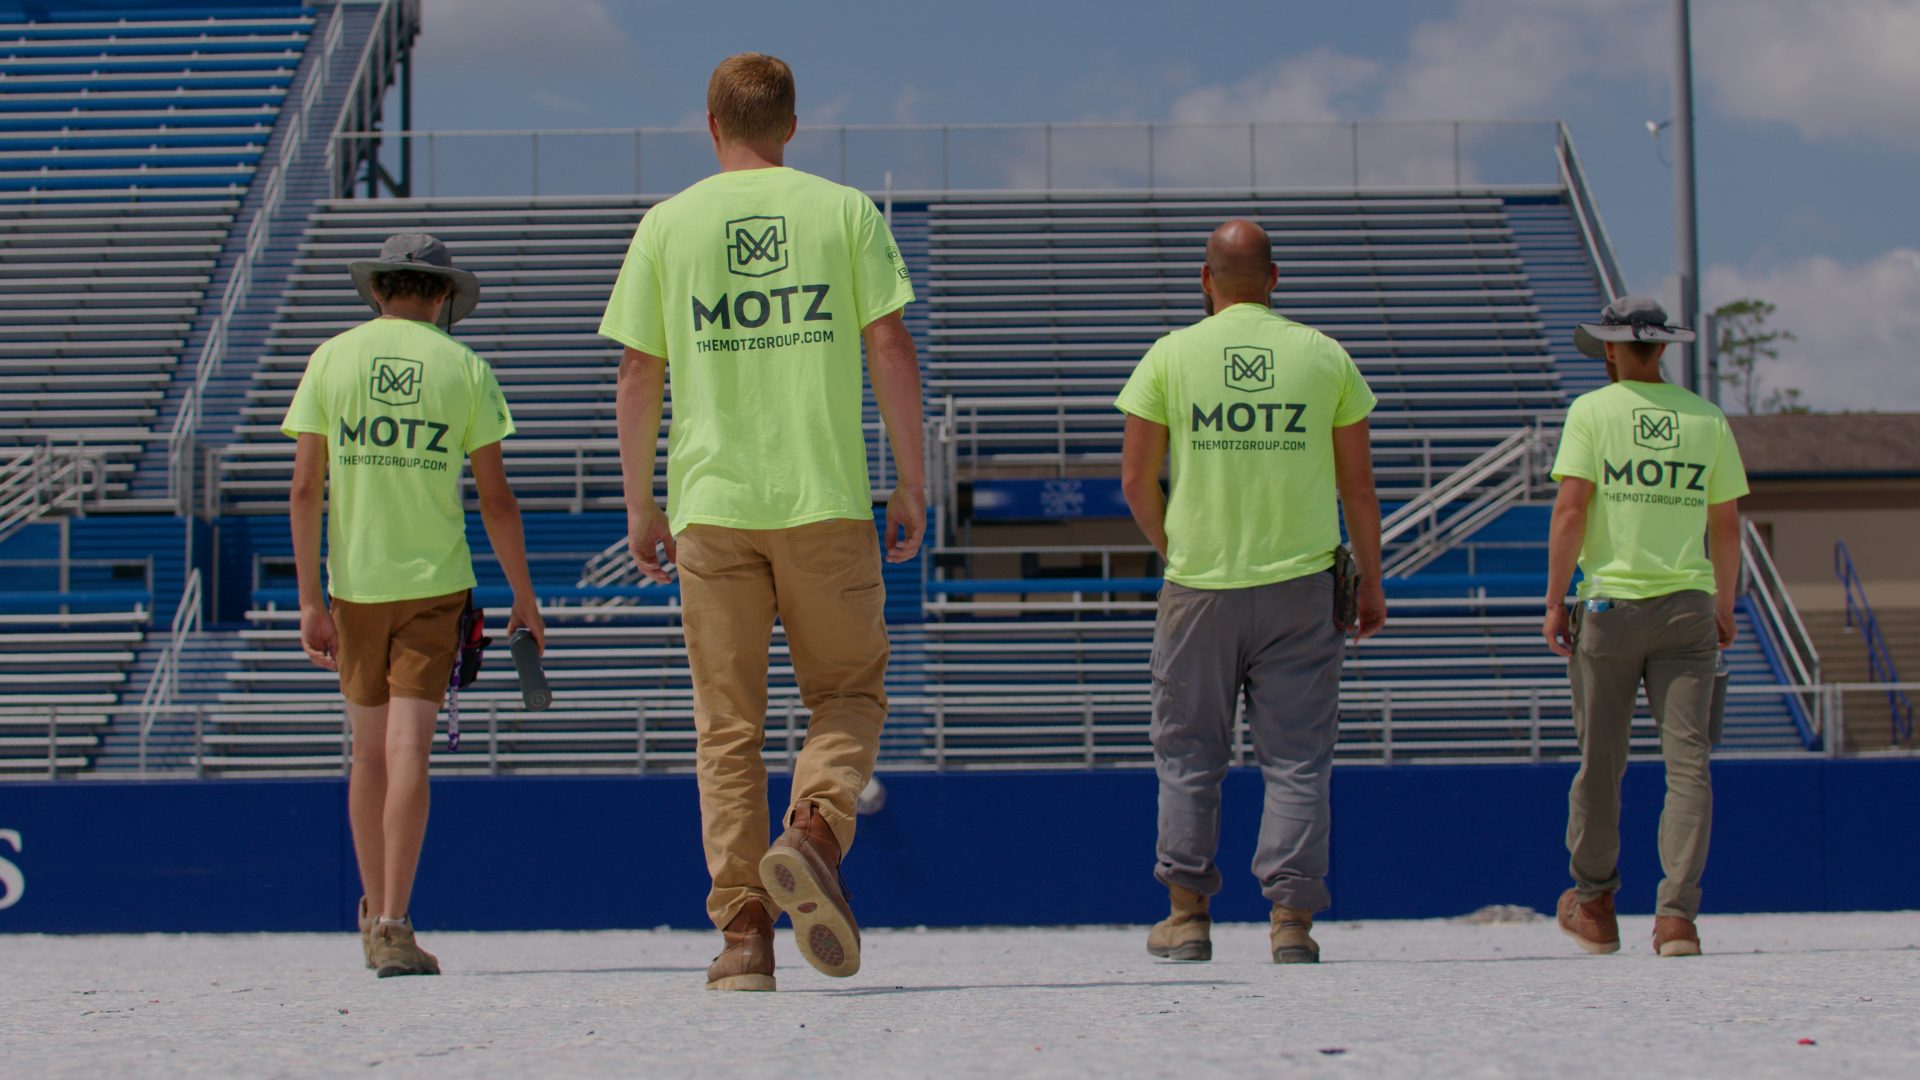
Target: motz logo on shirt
(757, 246)
(1249, 368)
(1656, 429)
(396, 380)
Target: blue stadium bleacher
(129, 144)
(121, 236)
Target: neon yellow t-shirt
(755, 286)
(401, 404)
(1658, 456)
(1250, 401)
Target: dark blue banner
(946, 850)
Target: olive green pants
(1669, 643)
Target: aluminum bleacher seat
(126, 145)
(1041, 307)
(547, 267)
(61, 676)
(98, 298)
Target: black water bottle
(534, 692)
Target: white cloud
(1506, 61)
(1321, 85)
(906, 104)
(1832, 68)
(493, 37)
(1858, 326)
(560, 102)
(821, 112)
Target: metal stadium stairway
(307, 182)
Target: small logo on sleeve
(1656, 429)
(396, 380)
(757, 246)
(1249, 368)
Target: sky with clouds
(1807, 113)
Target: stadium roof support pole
(1686, 233)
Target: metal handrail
(1586, 216)
(1880, 666)
(1380, 724)
(39, 479)
(164, 682)
(1485, 488)
(186, 423)
(364, 91)
(1044, 151)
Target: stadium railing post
(940, 733)
(1086, 727)
(53, 742)
(793, 748)
(199, 741)
(1533, 722)
(640, 736)
(1386, 725)
(493, 738)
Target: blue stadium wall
(969, 849)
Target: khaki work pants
(823, 581)
(1670, 643)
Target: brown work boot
(802, 872)
(1675, 936)
(1292, 944)
(396, 953)
(366, 932)
(747, 961)
(1185, 934)
(1591, 924)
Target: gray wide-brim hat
(1630, 318)
(418, 251)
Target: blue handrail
(1879, 661)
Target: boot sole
(1680, 948)
(1294, 954)
(743, 982)
(395, 971)
(1191, 951)
(1597, 948)
(822, 928)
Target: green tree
(1745, 345)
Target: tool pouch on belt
(473, 642)
(1346, 589)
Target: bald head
(1240, 263)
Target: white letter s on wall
(13, 883)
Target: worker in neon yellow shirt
(389, 411)
(752, 291)
(1649, 482)
(1264, 424)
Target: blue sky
(1808, 114)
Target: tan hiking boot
(396, 953)
(1186, 934)
(802, 872)
(1675, 936)
(366, 932)
(1291, 942)
(1592, 924)
(747, 961)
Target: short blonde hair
(751, 97)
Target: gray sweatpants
(1277, 645)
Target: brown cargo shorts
(401, 648)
